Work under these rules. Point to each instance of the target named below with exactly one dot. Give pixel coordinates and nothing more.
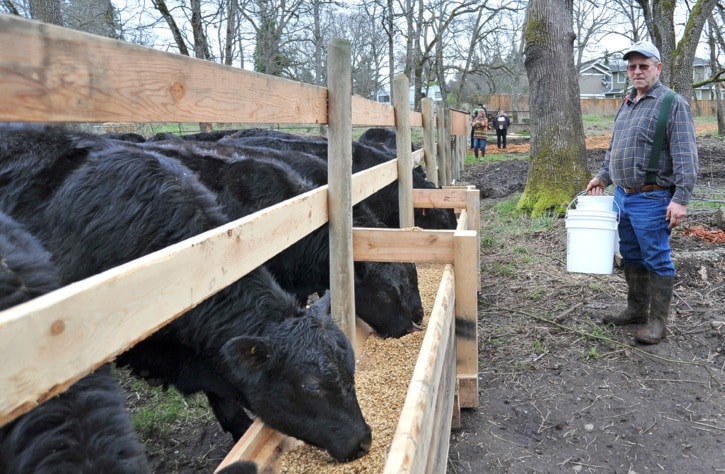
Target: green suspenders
(654, 159)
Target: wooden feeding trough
(52, 74)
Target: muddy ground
(561, 393)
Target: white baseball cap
(645, 48)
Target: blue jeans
(644, 235)
(479, 144)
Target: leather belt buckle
(643, 189)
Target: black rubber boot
(638, 298)
(659, 310)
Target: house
(600, 79)
(433, 91)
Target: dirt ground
(558, 391)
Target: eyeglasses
(642, 67)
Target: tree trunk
(677, 58)
(230, 31)
(558, 168)
(389, 28)
(47, 11)
(201, 46)
(161, 7)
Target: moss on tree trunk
(558, 154)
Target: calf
(87, 428)
(384, 202)
(251, 345)
(386, 294)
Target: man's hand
(595, 187)
(675, 214)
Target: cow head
(387, 297)
(299, 379)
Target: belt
(643, 189)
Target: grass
(507, 221)
(156, 412)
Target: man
(480, 132)
(501, 124)
(648, 212)
(473, 116)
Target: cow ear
(321, 307)
(246, 350)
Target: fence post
(429, 149)
(443, 157)
(405, 155)
(339, 197)
(465, 254)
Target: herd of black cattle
(73, 205)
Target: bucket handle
(583, 193)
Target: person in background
(480, 132)
(648, 212)
(473, 115)
(501, 124)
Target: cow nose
(365, 444)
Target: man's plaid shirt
(625, 163)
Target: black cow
(386, 294)
(87, 428)
(98, 203)
(383, 138)
(384, 202)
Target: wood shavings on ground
(384, 370)
(712, 236)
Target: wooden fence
(517, 107)
(52, 74)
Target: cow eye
(312, 388)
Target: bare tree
(47, 11)
(161, 7)
(677, 57)
(10, 7)
(231, 30)
(558, 154)
(270, 20)
(591, 23)
(632, 27)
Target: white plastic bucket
(591, 240)
(595, 203)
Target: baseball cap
(645, 48)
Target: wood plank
(339, 166)
(76, 328)
(415, 119)
(261, 444)
(466, 267)
(417, 157)
(442, 155)
(403, 148)
(459, 123)
(449, 198)
(429, 157)
(371, 180)
(49, 73)
(402, 245)
(456, 418)
(406, 450)
(438, 450)
(370, 112)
